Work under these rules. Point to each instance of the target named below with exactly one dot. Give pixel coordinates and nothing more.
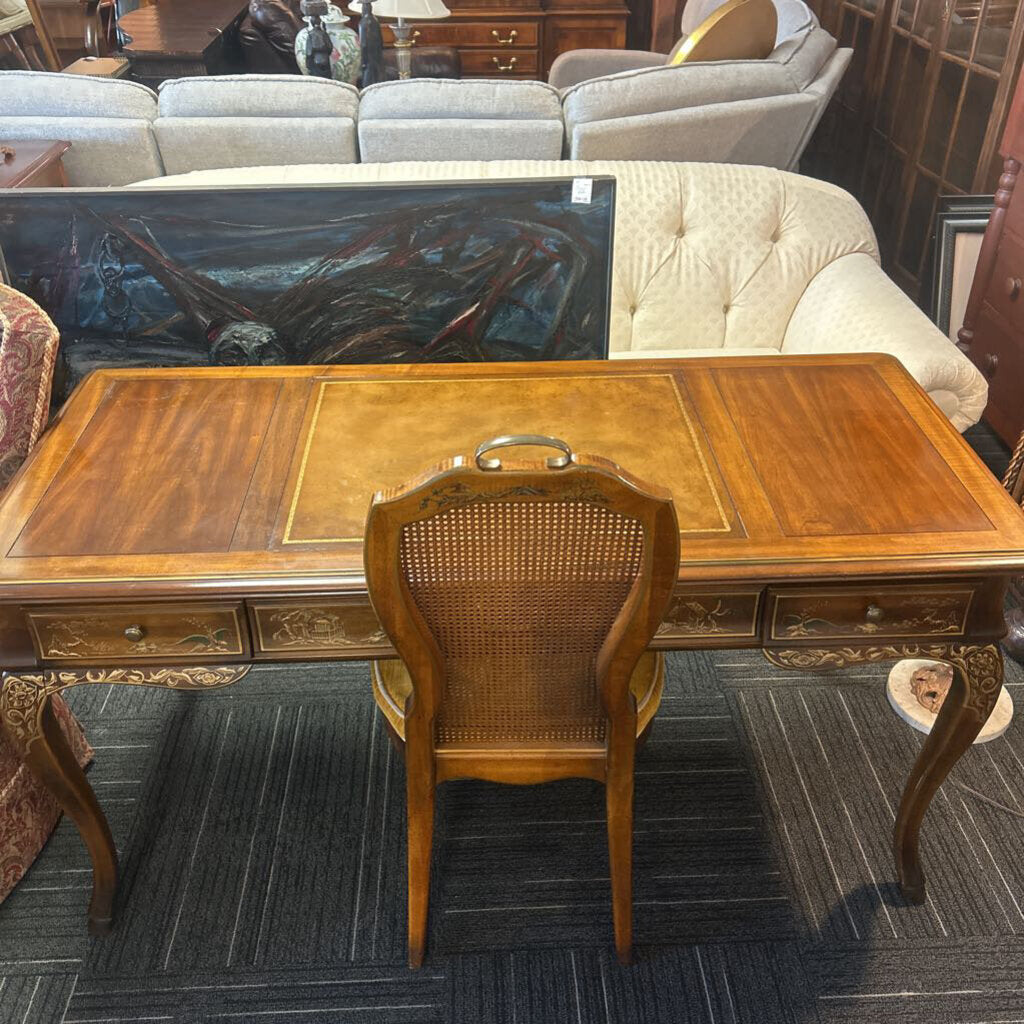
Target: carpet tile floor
(261, 836)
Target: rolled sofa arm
(851, 305)
(580, 65)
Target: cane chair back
(521, 598)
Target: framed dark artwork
(960, 223)
(452, 272)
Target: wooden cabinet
(919, 113)
(521, 40)
(993, 330)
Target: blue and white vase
(345, 57)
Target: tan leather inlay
(658, 432)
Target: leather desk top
(174, 482)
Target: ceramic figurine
(344, 55)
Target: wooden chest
(993, 330)
(521, 40)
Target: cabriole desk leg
(28, 720)
(977, 679)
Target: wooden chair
(521, 600)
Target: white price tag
(582, 189)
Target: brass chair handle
(515, 440)
(134, 633)
(510, 66)
(874, 613)
(990, 366)
(508, 41)
(1012, 288)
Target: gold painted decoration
(23, 695)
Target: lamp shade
(410, 10)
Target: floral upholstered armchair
(28, 350)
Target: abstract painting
(489, 271)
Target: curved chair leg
(27, 714)
(420, 812)
(977, 679)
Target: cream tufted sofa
(720, 259)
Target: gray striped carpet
(261, 836)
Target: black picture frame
(485, 270)
(955, 216)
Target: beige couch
(721, 259)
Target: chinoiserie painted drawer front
(194, 632)
(328, 627)
(480, 34)
(500, 63)
(864, 613)
(712, 616)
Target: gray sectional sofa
(756, 112)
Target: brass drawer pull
(1012, 287)
(510, 66)
(134, 633)
(991, 365)
(509, 41)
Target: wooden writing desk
(176, 526)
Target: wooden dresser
(993, 330)
(521, 38)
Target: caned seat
(521, 599)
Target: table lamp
(404, 11)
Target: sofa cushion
(448, 98)
(104, 150)
(48, 94)
(265, 96)
(652, 90)
(199, 143)
(478, 138)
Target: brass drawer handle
(134, 633)
(510, 66)
(513, 34)
(991, 365)
(1012, 288)
(874, 614)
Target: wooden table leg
(977, 679)
(27, 717)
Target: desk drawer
(465, 34)
(712, 616)
(284, 627)
(138, 632)
(865, 612)
(500, 63)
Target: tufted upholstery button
(632, 310)
(776, 235)
(680, 232)
(725, 308)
